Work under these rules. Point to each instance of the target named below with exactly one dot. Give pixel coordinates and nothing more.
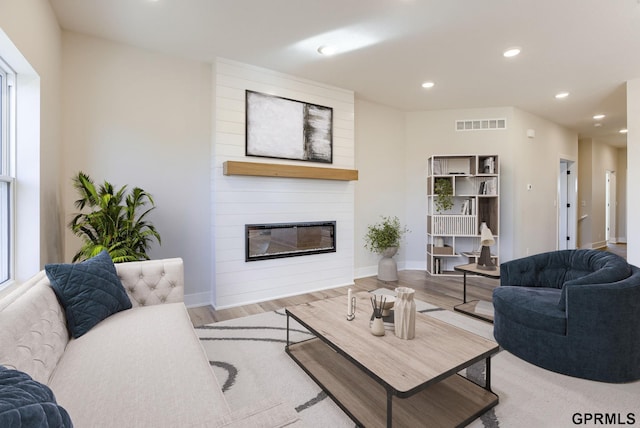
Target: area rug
(248, 358)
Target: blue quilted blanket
(25, 403)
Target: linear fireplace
(277, 240)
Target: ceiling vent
(480, 124)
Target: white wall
(138, 118)
(585, 193)
(536, 161)
(621, 197)
(31, 33)
(382, 179)
(528, 219)
(238, 201)
(433, 133)
(633, 174)
(598, 158)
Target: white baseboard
(416, 265)
(280, 296)
(364, 272)
(197, 299)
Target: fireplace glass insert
(277, 240)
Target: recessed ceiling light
(599, 116)
(623, 131)
(511, 52)
(428, 85)
(326, 50)
(597, 125)
(561, 95)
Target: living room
(137, 115)
(132, 101)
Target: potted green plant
(385, 234)
(443, 194)
(384, 238)
(116, 221)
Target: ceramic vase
(404, 313)
(377, 326)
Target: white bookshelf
(453, 236)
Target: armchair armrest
(153, 282)
(610, 312)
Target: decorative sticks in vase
(377, 325)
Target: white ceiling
(387, 48)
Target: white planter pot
(387, 267)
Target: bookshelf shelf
(475, 182)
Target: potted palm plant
(115, 221)
(384, 238)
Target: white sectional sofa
(140, 367)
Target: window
(7, 176)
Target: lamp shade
(486, 236)
(486, 240)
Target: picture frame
(283, 128)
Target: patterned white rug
(248, 357)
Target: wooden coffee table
(362, 373)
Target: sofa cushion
(144, 367)
(27, 403)
(33, 329)
(533, 307)
(89, 291)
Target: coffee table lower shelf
(454, 401)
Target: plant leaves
(113, 221)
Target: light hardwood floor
(619, 249)
(443, 291)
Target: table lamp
(486, 240)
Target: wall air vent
(481, 124)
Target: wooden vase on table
(404, 315)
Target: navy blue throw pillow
(89, 291)
(27, 403)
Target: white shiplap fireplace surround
(241, 200)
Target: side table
(476, 308)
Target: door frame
(567, 206)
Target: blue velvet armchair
(575, 312)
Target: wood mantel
(289, 171)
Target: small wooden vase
(404, 313)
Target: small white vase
(387, 267)
(404, 313)
(377, 327)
